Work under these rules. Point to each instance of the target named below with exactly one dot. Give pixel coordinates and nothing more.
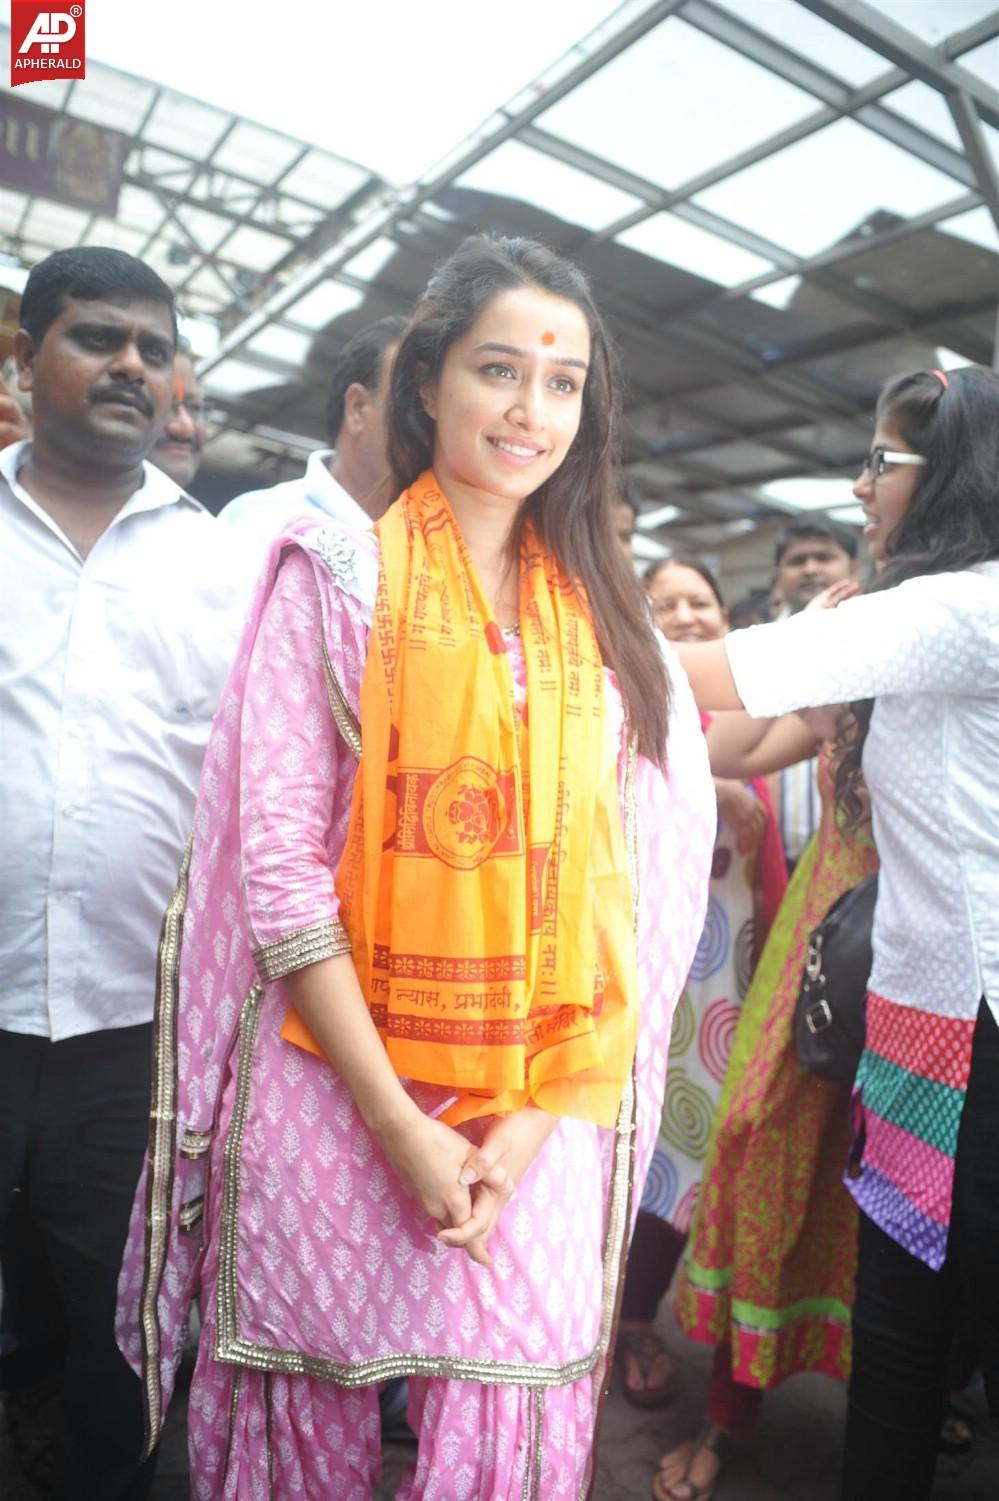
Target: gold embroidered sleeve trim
(194, 1144)
(343, 715)
(190, 1214)
(321, 940)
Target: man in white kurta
(118, 625)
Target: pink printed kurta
(265, 1194)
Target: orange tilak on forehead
(548, 337)
(179, 392)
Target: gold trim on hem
(232, 1349)
(534, 1457)
(320, 940)
(160, 1152)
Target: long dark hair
(952, 521)
(572, 511)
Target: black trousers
(73, 1125)
(905, 1314)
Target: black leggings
(905, 1314)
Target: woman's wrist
(391, 1117)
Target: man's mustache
(131, 395)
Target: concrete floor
(793, 1456)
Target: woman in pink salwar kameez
(340, 1221)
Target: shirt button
(69, 811)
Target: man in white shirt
(117, 629)
(350, 481)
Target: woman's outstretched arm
(706, 665)
(746, 748)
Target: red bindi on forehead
(548, 337)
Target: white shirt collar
(328, 496)
(156, 490)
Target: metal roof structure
(780, 203)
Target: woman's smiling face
(508, 402)
(886, 497)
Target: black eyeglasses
(879, 459)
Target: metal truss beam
(268, 194)
(874, 29)
(973, 139)
(856, 104)
(805, 74)
(787, 263)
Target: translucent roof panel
(978, 226)
(255, 248)
(323, 304)
(55, 224)
(113, 99)
(205, 228)
(812, 194)
(808, 494)
(236, 378)
(139, 209)
(926, 108)
(984, 61)
(515, 171)
(778, 293)
(185, 125)
(207, 285)
(932, 21)
(323, 179)
(11, 209)
(653, 111)
(201, 333)
(367, 264)
(53, 95)
(800, 31)
(681, 244)
(112, 232)
(281, 344)
(256, 153)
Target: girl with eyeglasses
(919, 656)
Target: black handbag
(829, 1014)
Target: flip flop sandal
(646, 1347)
(716, 1442)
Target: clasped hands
(464, 1186)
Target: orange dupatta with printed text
(484, 884)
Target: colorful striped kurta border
(910, 1089)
